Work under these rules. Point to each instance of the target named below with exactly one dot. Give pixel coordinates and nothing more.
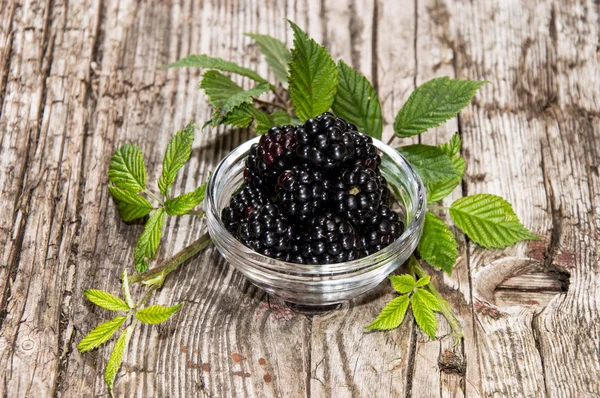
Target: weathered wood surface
(79, 78)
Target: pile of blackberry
(314, 194)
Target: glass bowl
(317, 285)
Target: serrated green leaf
(276, 53)
(243, 97)
(127, 170)
(126, 292)
(403, 283)
(263, 121)
(423, 297)
(157, 313)
(392, 314)
(101, 334)
(186, 202)
(281, 117)
(430, 162)
(433, 103)
(439, 190)
(116, 357)
(206, 62)
(131, 205)
(489, 220)
(313, 76)
(240, 117)
(437, 245)
(178, 152)
(147, 244)
(424, 316)
(357, 102)
(106, 300)
(423, 281)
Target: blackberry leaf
(116, 357)
(430, 162)
(177, 153)
(186, 202)
(206, 62)
(433, 103)
(403, 283)
(392, 314)
(156, 313)
(437, 245)
(424, 315)
(101, 334)
(131, 205)
(127, 169)
(276, 54)
(313, 76)
(357, 102)
(423, 281)
(439, 190)
(489, 221)
(424, 298)
(106, 300)
(147, 244)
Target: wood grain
(78, 79)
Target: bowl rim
(374, 259)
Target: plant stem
(146, 296)
(391, 140)
(269, 103)
(436, 207)
(174, 262)
(445, 308)
(153, 196)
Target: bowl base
(308, 309)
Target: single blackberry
(383, 227)
(241, 204)
(365, 153)
(274, 151)
(330, 240)
(268, 232)
(302, 192)
(357, 195)
(324, 142)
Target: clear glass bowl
(317, 285)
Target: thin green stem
(269, 103)
(153, 196)
(445, 309)
(147, 295)
(174, 262)
(436, 207)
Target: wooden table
(79, 78)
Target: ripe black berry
(384, 226)
(302, 192)
(241, 204)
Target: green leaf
(263, 121)
(206, 62)
(489, 221)
(430, 162)
(126, 292)
(116, 357)
(392, 314)
(131, 205)
(147, 244)
(106, 300)
(276, 53)
(157, 313)
(186, 202)
(240, 117)
(433, 103)
(357, 102)
(439, 190)
(243, 97)
(424, 316)
(313, 76)
(403, 283)
(127, 170)
(437, 245)
(424, 298)
(281, 117)
(101, 334)
(423, 281)
(177, 153)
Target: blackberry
(330, 240)
(302, 192)
(268, 232)
(324, 142)
(384, 227)
(241, 204)
(274, 151)
(358, 194)
(365, 153)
